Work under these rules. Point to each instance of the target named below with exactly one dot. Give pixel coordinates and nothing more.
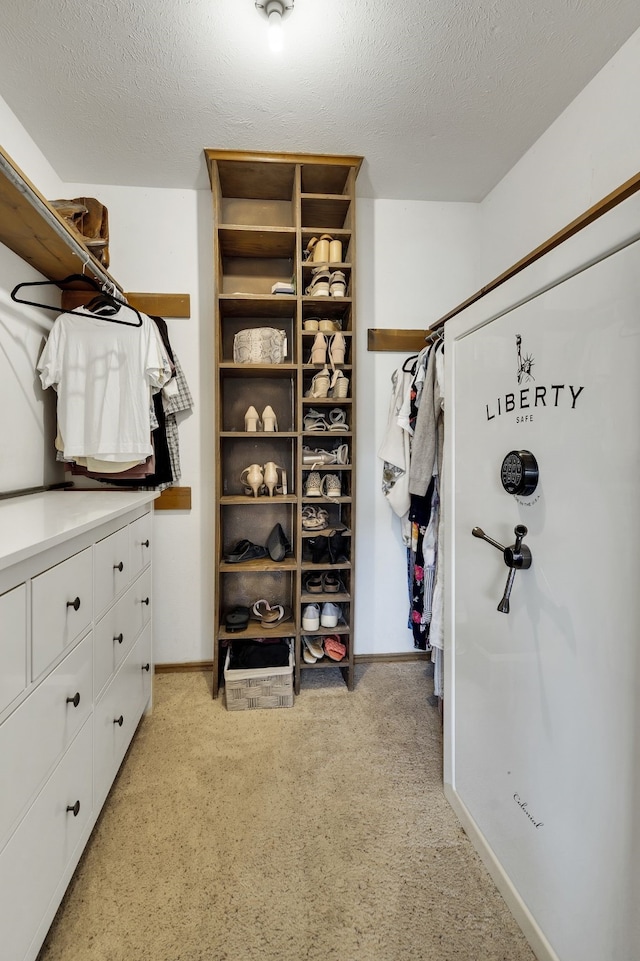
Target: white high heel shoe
(254, 478)
(251, 420)
(271, 476)
(269, 419)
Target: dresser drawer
(140, 537)
(35, 858)
(13, 644)
(61, 608)
(117, 713)
(116, 632)
(38, 732)
(111, 569)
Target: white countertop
(36, 522)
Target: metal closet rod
(45, 212)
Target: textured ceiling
(440, 96)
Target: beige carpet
(317, 832)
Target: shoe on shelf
(307, 656)
(307, 253)
(314, 646)
(319, 350)
(237, 619)
(311, 324)
(269, 419)
(271, 476)
(254, 479)
(338, 419)
(278, 544)
(322, 249)
(245, 550)
(320, 384)
(336, 349)
(314, 583)
(318, 547)
(329, 326)
(330, 485)
(338, 547)
(339, 387)
(268, 614)
(320, 280)
(337, 283)
(312, 487)
(314, 518)
(251, 420)
(314, 421)
(331, 584)
(311, 617)
(335, 252)
(334, 648)
(330, 614)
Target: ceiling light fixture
(275, 11)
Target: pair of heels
(325, 384)
(256, 478)
(333, 346)
(324, 250)
(268, 421)
(327, 283)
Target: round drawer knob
(144, 543)
(75, 700)
(145, 600)
(119, 721)
(74, 604)
(119, 638)
(146, 667)
(75, 808)
(119, 567)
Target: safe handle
(517, 557)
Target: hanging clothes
(103, 373)
(395, 451)
(412, 450)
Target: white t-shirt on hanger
(103, 373)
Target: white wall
(28, 415)
(592, 148)
(161, 241)
(415, 261)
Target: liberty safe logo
(524, 402)
(525, 362)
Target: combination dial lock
(519, 473)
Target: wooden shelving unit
(267, 207)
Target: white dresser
(75, 678)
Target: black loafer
(277, 544)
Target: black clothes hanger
(105, 306)
(103, 299)
(412, 357)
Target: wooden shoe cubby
(267, 207)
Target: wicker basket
(260, 687)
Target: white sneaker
(330, 614)
(311, 617)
